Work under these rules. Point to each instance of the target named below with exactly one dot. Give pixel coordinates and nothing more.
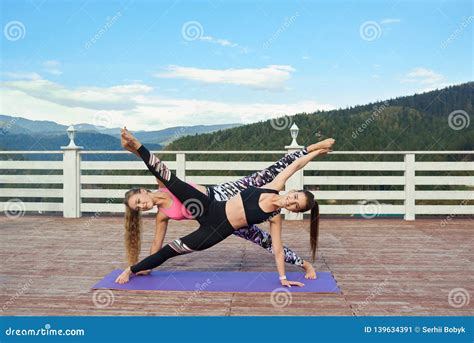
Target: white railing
(73, 186)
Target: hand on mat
(124, 277)
(144, 272)
(288, 283)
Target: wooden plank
(355, 165)
(445, 180)
(451, 165)
(360, 195)
(444, 209)
(118, 179)
(31, 192)
(444, 195)
(22, 206)
(118, 165)
(28, 179)
(47, 165)
(354, 180)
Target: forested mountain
(416, 122)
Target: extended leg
(229, 189)
(187, 194)
(203, 238)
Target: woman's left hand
(288, 283)
(124, 277)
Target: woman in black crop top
(219, 219)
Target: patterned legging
(253, 233)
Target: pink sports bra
(176, 211)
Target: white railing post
(296, 181)
(409, 187)
(71, 178)
(181, 166)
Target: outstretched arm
(320, 148)
(279, 182)
(275, 227)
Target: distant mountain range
(18, 133)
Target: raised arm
(318, 149)
(279, 182)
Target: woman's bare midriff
(234, 210)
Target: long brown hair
(314, 223)
(133, 228)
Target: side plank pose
(219, 219)
(139, 199)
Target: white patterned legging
(253, 233)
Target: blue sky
(156, 64)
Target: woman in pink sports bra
(169, 207)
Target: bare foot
(310, 273)
(325, 144)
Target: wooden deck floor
(383, 266)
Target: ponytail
(314, 222)
(133, 225)
(314, 230)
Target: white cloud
(223, 42)
(21, 75)
(52, 67)
(271, 77)
(423, 76)
(427, 79)
(96, 98)
(390, 21)
(132, 106)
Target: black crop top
(253, 213)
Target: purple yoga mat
(190, 281)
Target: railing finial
(71, 133)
